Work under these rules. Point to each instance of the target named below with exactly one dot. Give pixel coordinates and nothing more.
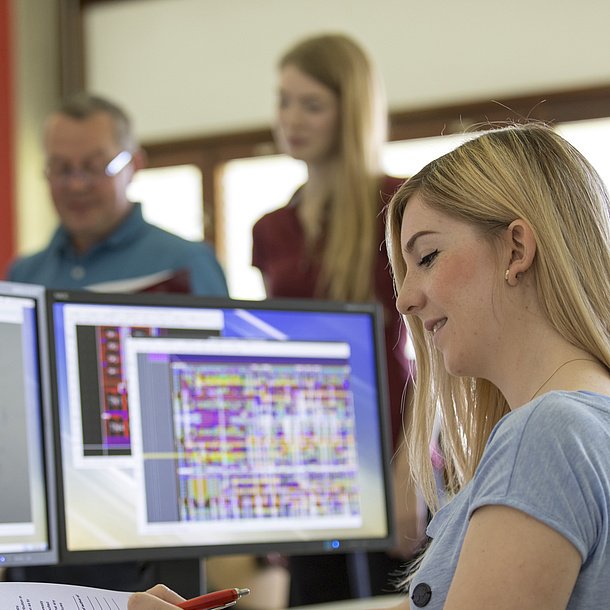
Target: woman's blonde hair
(351, 229)
(527, 172)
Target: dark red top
(279, 251)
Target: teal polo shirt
(136, 255)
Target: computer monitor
(28, 526)
(191, 426)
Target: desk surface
(370, 603)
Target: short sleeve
(559, 445)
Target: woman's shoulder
(281, 214)
(551, 459)
(543, 445)
(559, 419)
(276, 218)
(573, 408)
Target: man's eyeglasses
(60, 176)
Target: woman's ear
(521, 243)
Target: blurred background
(199, 79)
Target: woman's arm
(511, 560)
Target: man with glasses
(103, 242)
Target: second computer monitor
(28, 528)
(193, 427)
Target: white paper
(41, 596)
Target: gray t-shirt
(551, 460)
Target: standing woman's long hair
(526, 172)
(349, 220)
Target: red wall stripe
(7, 192)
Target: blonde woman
(328, 241)
(501, 256)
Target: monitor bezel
(49, 556)
(374, 310)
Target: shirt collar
(126, 232)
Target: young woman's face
(307, 117)
(450, 284)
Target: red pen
(217, 600)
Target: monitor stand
(358, 575)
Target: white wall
(196, 67)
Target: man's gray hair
(82, 106)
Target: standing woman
(328, 241)
(501, 255)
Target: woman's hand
(157, 598)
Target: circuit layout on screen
(95, 371)
(263, 435)
(264, 440)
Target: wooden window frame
(212, 152)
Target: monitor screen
(28, 530)
(194, 427)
